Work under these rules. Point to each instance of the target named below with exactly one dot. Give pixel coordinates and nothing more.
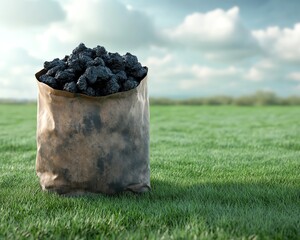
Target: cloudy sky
(192, 47)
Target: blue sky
(192, 48)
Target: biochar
(94, 72)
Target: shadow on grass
(239, 208)
(235, 209)
(250, 208)
(211, 192)
(230, 192)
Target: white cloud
(280, 43)
(295, 76)
(169, 75)
(217, 32)
(214, 26)
(254, 74)
(205, 72)
(103, 22)
(266, 64)
(159, 61)
(17, 75)
(208, 76)
(26, 13)
(262, 70)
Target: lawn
(216, 173)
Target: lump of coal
(80, 48)
(115, 62)
(50, 81)
(131, 83)
(82, 83)
(55, 62)
(139, 72)
(75, 65)
(130, 60)
(89, 91)
(84, 59)
(91, 74)
(54, 66)
(100, 51)
(64, 76)
(121, 76)
(103, 73)
(70, 87)
(94, 72)
(112, 86)
(96, 62)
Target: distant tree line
(259, 98)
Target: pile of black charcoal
(94, 72)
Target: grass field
(217, 173)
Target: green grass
(217, 173)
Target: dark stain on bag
(91, 122)
(141, 153)
(101, 160)
(126, 135)
(108, 158)
(65, 174)
(130, 149)
(63, 146)
(100, 165)
(116, 186)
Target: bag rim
(73, 95)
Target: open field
(217, 173)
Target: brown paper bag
(93, 144)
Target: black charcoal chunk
(75, 65)
(70, 71)
(103, 74)
(91, 74)
(84, 59)
(50, 81)
(131, 83)
(54, 63)
(81, 47)
(121, 76)
(130, 61)
(115, 62)
(82, 83)
(99, 62)
(64, 76)
(66, 58)
(100, 51)
(51, 64)
(96, 62)
(105, 58)
(73, 57)
(89, 52)
(53, 71)
(99, 92)
(112, 86)
(97, 74)
(139, 73)
(70, 87)
(89, 91)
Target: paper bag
(93, 144)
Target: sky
(193, 48)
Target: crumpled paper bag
(93, 144)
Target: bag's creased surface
(93, 144)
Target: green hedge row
(259, 98)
